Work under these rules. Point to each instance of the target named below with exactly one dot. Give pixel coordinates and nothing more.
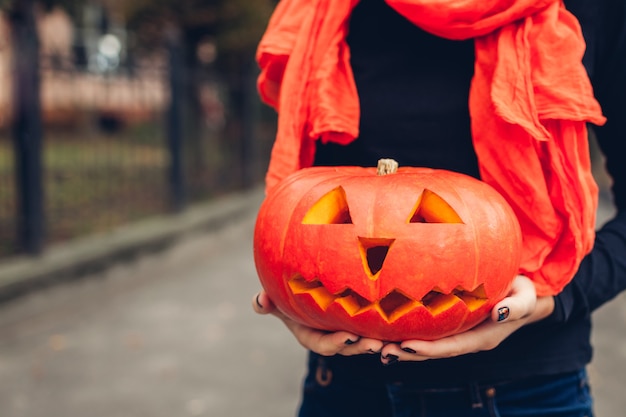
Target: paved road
(169, 335)
(172, 335)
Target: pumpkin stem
(387, 166)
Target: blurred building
(84, 71)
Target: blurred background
(128, 124)
(112, 111)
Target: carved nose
(374, 252)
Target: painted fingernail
(408, 350)
(258, 302)
(392, 359)
(350, 341)
(503, 313)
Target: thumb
(262, 304)
(519, 303)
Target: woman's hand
(519, 308)
(320, 342)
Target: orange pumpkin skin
(417, 254)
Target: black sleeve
(602, 274)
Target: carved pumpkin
(415, 254)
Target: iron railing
(121, 146)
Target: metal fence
(122, 146)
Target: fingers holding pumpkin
(335, 343)
(321, 342)
(519, 303)
(486, 336)
(332, 343)
(262, 304)
(514, 311)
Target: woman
(414, 78)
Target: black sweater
(413, 91)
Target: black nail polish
(503, 313)
(258, 302)
(408, 350)
(392, 359)
(350, 342)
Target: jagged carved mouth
(392, 306)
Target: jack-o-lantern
(415, 254)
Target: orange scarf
(530, 100)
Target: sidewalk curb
(77, 258)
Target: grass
(91, 184)
(94, 182)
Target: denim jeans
(564, 395)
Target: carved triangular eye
(431, 208)
(332, 208)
